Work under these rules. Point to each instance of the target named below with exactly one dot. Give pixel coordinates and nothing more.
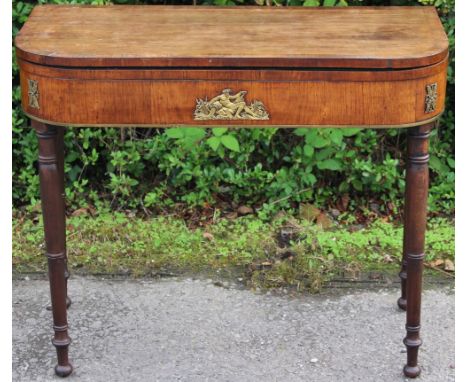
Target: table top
(183, 36)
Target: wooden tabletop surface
(183, 36)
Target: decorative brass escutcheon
(33, 93)
(431, 97)
(229, 106)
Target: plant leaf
(311, 3)
(214, 142)
(336, 136)
(218, 131)
(319, 142)
(350, 132)
(194, 133)
(175, 133)
(230, 142)
(329, 3)
(329, 164)
(300, 131)
(308, 151)
(324, 153)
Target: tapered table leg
(417, 182)
(403, 274)
(60, 168)
(53, 211)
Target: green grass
(114, 243)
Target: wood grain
(178, 36)
(155, 97)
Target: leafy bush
(267, 168)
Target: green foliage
(115, 243)
(270, 169)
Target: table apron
(320, 99)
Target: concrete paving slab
(192, 330)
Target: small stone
(26, 278)
(314, 360)
(334, 212)
(374, 207)
(387, 258)
(449, 266)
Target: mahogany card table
(164, 66)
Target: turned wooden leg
(403, 274)
(60, 168)
(417, 182)
(53, 211)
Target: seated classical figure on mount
(229, 106)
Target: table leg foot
(411, 371)
(402, 303)
(63, 370)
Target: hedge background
(155, 170)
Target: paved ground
(192, 330)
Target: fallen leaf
(344, 202)
(208, 236)
(231, 215)
(130, 213)
(324, 221)
(280, 215)
(92, 210)
(244, 210)
(387, 258)
(37, 207)
(308, 211)
(449, 266)
(436, 263)
(356, 227)
(375, 276)
(80, 212)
